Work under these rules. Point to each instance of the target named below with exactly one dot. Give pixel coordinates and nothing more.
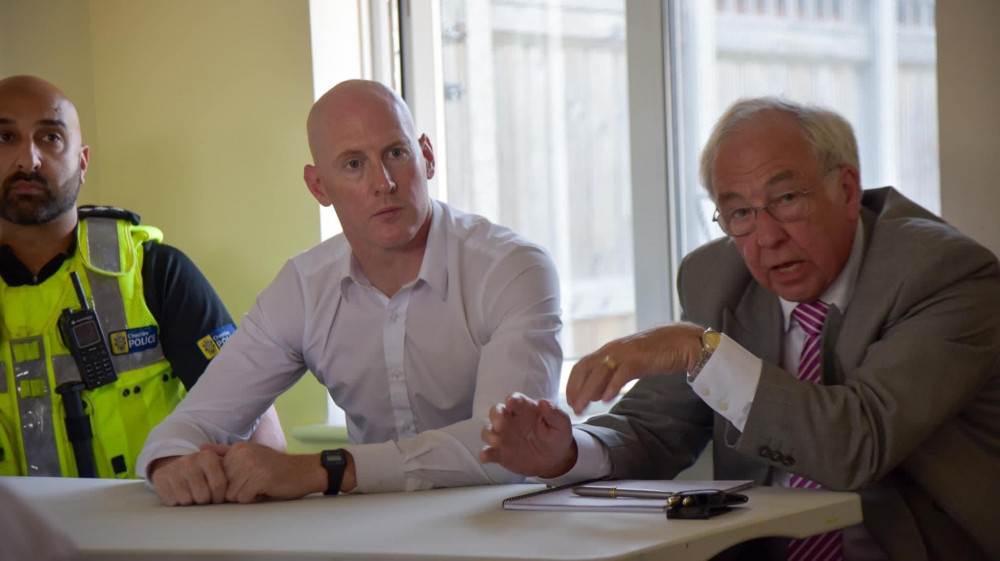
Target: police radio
(82, 333)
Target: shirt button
(393, 317)
(406, 426)
(723, 405)
(396, 374)
(705, 391)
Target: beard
(32, 210)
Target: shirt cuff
(728, 381)
(378, 468)
(592, 461)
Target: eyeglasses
(786, 207)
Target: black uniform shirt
(179, 296)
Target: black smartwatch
(335, 461)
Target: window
(873, 61)
(579, 123)
(535, 112)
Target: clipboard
(562, 498)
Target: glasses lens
(737, 222)
(789, 207)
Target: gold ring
(610, 363)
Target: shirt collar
(14, 273)
(433, 268)
(839, 293)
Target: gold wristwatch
(710, 339)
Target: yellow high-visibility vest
(34, 359)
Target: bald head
(42, 158)
(42, 94)
(345, 105)
(370, 166)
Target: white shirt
(415, 374)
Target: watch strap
(335, 462)
(710, 339)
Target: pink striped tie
(822, 547)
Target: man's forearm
(269, 431)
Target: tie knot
(811, 316)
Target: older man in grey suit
(858, 348)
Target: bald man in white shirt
(417, 319)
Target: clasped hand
(245, 472)
(535, 438)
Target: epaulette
(103, 211)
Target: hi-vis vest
(34, 360)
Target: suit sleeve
(655, 431)
(186, 308)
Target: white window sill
(322, 432)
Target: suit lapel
(833, 371)
(756, 324)
(847, 333)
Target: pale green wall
(195, 112)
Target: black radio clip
(702, 504)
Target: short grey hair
(830, 135)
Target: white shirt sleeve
(255, 366)
(728, 381)
(592, 461)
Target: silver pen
(618, 492)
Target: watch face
(333, 457)
(712, 338)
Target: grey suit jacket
(909, 413)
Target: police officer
(156, 321)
